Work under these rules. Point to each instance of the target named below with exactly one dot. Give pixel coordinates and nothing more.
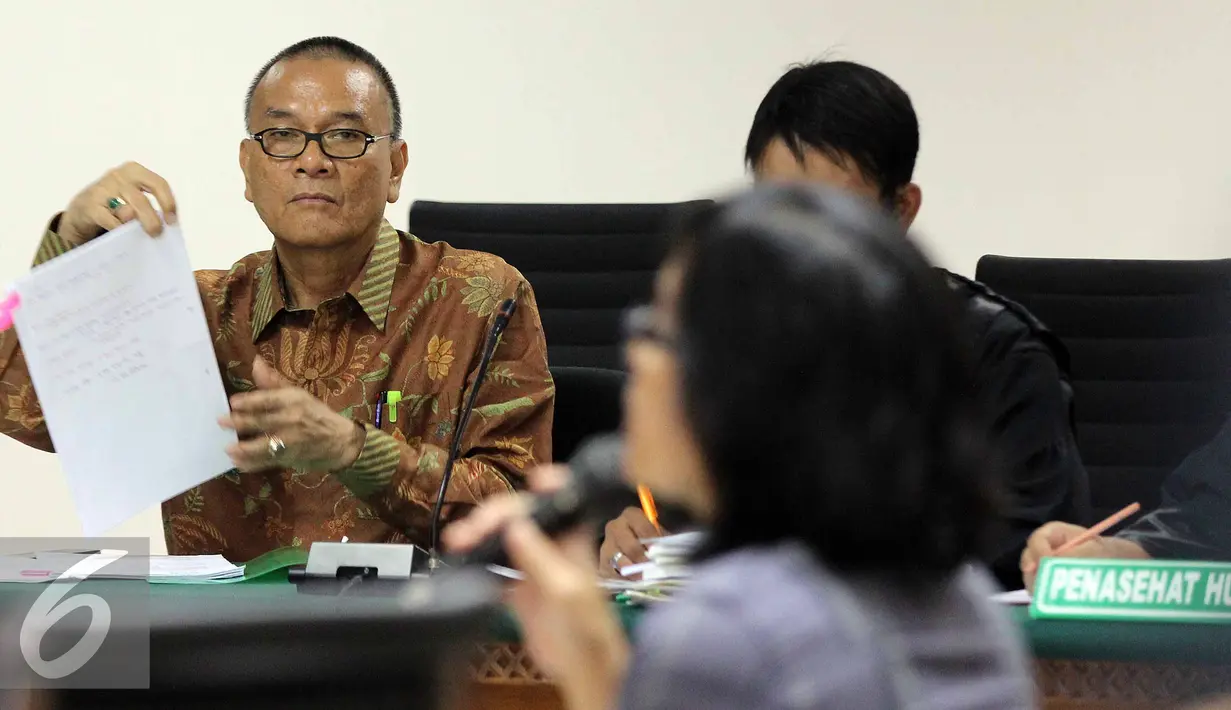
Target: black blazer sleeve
(1022, 380)
(1194, 519)
(1028, 407)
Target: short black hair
(332, 48)
(827, 378)
(846, 111)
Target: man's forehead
(332, 85)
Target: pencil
(1099, 529)
(647, 506)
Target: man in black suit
(850, 126)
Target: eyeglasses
(339, 143)
(640, 323)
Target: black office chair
(588, 402)
(1151, 359)
(587, 263)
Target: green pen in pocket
(392, 398)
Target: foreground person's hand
(567, 623)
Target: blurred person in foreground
(308, 333)
(800, 386)
(851, 127)
(1193, 521)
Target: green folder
(259, 569)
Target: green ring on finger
(115, 203)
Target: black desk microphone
(501, 321)
(595, 491)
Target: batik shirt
(414, 321)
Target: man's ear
(244, 157)
(907, 204)
(398, 157)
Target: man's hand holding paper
(118, 197)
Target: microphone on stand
(596, 491)
(503, 315)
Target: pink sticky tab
(7, 306)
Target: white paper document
(115, 564)
(123, 365)
(1017, 598)
(506, 572)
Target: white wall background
(1090, 128)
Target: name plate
(1132, 590)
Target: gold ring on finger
(276, 446)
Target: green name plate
(1132, 590)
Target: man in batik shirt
(309, 334)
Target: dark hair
(827, 380)
(332, 48)
(847, 112)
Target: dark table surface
(1051, 639)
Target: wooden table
(507, 680)
(1079, 665)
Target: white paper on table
(123, 364)
(191, 566)
(50, 566)
(685, 540)
(506, 572)
(1018, 598)
(638, 568)
(47, 567)
(25, 569)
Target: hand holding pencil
(622, 537)
(1065, 540)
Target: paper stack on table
(157, 569)
(671, 555)
(182, 568)
(668, 557)
(666, 572)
